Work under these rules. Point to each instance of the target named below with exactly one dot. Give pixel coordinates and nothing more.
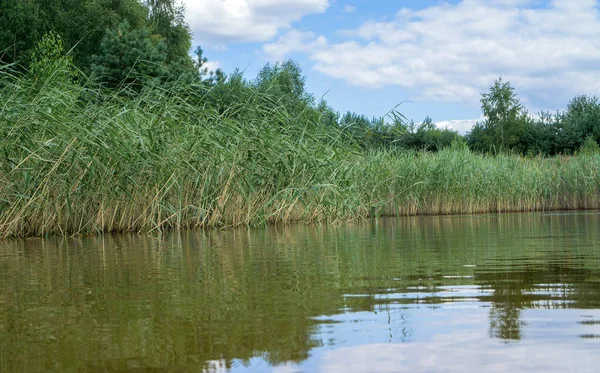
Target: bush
(589, 147)
(49, 60)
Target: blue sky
(370, 55)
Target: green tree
(589, 147)
(580, 121)
(130, 57)
(358, 127)
(329, 117)
(285, 83)
(81, 24)
(427, 136)
(206, 75)
(539, 135)
(167, 19)
(505, 120)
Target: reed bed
(76, 159)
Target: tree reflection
(505, 323)
(211, 300)
(534, 286)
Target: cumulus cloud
(349, 9)
(223, 21)
(453, 52)
(471, 354)
(219, 47)
(293, 42)
(461, 126)
(212, 65)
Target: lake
(485, 293)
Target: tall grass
(75, 159)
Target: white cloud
(349, 8)
(470, 354)
(224, 21)
(292, 42)
(461, 126)
(219, 47)
(453, 52)
(212, 65)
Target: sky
(434, 58)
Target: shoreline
(324, 222)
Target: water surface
(490, 293)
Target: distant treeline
(137, 44)
(509, 127)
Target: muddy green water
(491, 293)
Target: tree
(204, 74)
(23, 25)
(580, 121)
(427, 136)
(285, 83)
(167, 18)
(130, 57)
(539, 136)
(589, 147)
(81, 24)
(358, 127)
(505, 120)
(329, 117)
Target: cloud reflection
(469, 355)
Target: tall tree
(286, 83)
(84, 23)
(23, 25)
(167, 18)
(505, 119)
(80, 23)
(580, 121)
(130, 56)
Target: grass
(75, 159)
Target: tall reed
(76, 159)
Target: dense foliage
(509, 127)
(83, 24)
(76, 157)
(133, 43)
(108, 124)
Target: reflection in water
(466, 354)
(505, 322)
(306, 298)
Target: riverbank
(77, 160)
